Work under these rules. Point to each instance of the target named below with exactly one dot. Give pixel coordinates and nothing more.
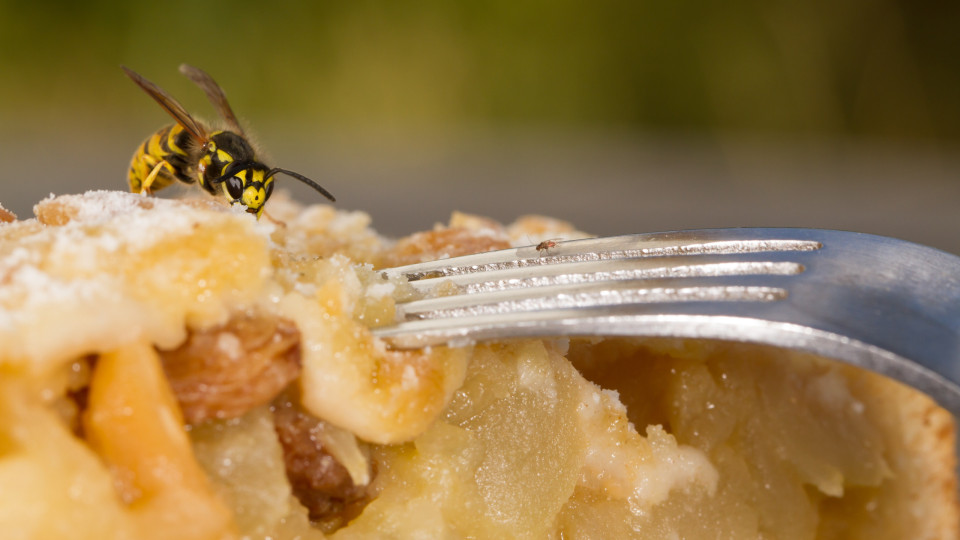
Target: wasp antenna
(303, 179)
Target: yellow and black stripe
(171, 144)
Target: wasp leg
(274, 220)
(148, 181)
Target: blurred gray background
(618, 116)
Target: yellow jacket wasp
(223, 162)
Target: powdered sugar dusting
(102, 205)
(116, 218)
(68, 271)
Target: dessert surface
(178, 369)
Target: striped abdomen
(171, 144)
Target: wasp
(223, 162)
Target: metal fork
(883, 304)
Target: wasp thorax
(223, 150)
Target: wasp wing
(219, 100)
(170, 105)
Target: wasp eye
(235, 187)
(269, 188)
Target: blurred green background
(619, 116)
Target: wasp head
(242, 179)
(248, 183)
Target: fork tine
(573, 273)
(597, 249)
(593, 295)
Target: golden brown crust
(442, 243)
(7, 216)
(937, 441)
(922, 436)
